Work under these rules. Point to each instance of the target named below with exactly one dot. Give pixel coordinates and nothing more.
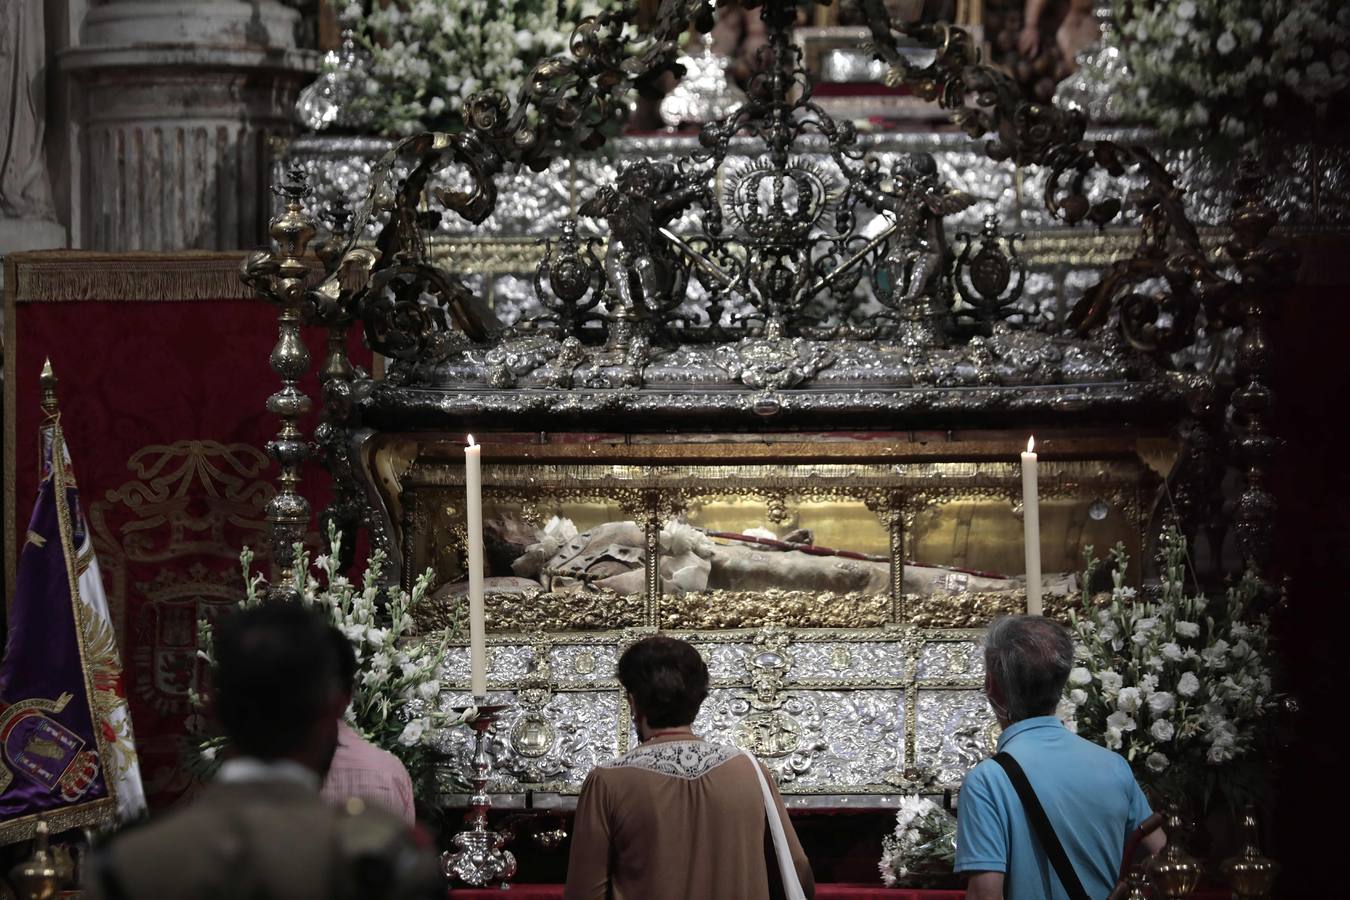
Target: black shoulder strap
(1040, 822)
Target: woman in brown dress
(679, 817)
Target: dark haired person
(1088, 793)
(359, 768)
(678, 817)
(261, 830)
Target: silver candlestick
(480, 859)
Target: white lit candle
(1031, 528)
(473, 488)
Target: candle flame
(471, 443)
(1031, 444)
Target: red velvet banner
(162, 372)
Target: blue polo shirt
(1088, 792)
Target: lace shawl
(678, 759)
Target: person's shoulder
(192, 834)
(983, 776)
(1096, 753)
(358, 747)
(366, 830)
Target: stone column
(177, 102)
(27, 216)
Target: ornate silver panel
(955, 730)
(953, 661)
(830, 712)
(554, 744)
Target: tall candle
(473, 488)
(1031, 528)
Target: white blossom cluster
(428, 56)
(396, 671)
(1216, 72)
(1181, 686)
(923, 843)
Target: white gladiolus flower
(1110, 682)
(1078, 696)
(412, 732)
(1120, 721)
(1216, 654)
(1171, 650)
(1188, 685)
(1129, 700)
(429, 690)
(1187, 629)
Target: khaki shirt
(267, 839)
(677, 819)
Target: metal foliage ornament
(765, 256)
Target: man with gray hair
(1084, 794)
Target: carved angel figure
(643, 271)
(919, 201)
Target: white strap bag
(792, 885)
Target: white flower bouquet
(923, 845)
(1180, 686)
(396, 680)
(428, 56)
(1221, 73)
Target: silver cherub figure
(645, 275)
(917, 262)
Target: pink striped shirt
(362, 770)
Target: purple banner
(49, 752)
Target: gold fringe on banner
(65, 275)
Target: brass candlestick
(480, 859)
(1175, 872)
(1140, 889)
(37, 878)
(1251, 874)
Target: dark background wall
(1311, 334)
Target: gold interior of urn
(882, 534)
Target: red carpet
(823, 892)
